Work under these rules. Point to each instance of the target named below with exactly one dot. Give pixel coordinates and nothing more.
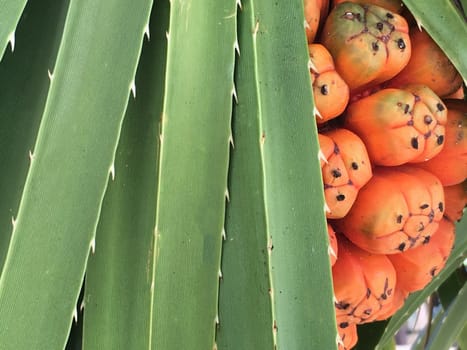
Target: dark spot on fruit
(399, 219)
(389, 291)
(401, 247)
(410, 122)
(427, 119)
(441, 206)
(340, 197)
(401, 44)
(374, 46)
(406, 109)
(389, 15)
(324, 89)
(368, 293)
(421, 227)
(433, 271)
(431, 216)
(336, 149)
(426, 240)
(341, 305)
(417, 98)
(440, 107)
(384, 296)
(427, 135)
(399, 104)
(354, 165)
(414, 142)
(344, 324)
(379, 25)
(336, 173)
(367, 312)
(424, 206)
(440, 140)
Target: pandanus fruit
(428, 65)
(330, 91)
(363, 284)
(369, 44)
(398, 209)
(450, 165)
(345, 168)
(415, 268)
(399, 125)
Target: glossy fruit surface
(398, 209)
(399, 125)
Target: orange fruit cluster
(392, 123)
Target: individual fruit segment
(391, 5)
(415, 268)
(331, 93)
(428, 65)
(399, 125)
(456, 201)
(398, 209)
(363, 284)
(369, 44)
(345, 169)
(450, 165)
(348, 336)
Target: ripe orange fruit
(415, 268)
(428, 65)
(363, 283)
(398, 209)
(399, 126)
(331, 93)
(369, 44)
(345, 169)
